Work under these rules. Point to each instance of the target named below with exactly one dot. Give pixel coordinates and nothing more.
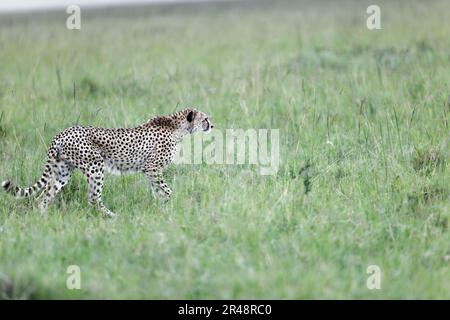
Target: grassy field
(364, 149)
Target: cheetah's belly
(118, 167)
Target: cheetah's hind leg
(95, 176)
(59, 176)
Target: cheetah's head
(196, 120)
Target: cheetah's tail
(19, 192)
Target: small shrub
(427, 160)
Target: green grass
(364, 148)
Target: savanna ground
(364, 148)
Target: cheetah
(147, 148)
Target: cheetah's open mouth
(206, 125)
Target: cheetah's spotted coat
(147, 148)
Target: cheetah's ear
(190, 116)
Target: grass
(364, 175)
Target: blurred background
(363, 118)
(42, 5)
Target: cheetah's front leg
(154, 174)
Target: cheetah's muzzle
(206, 125)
